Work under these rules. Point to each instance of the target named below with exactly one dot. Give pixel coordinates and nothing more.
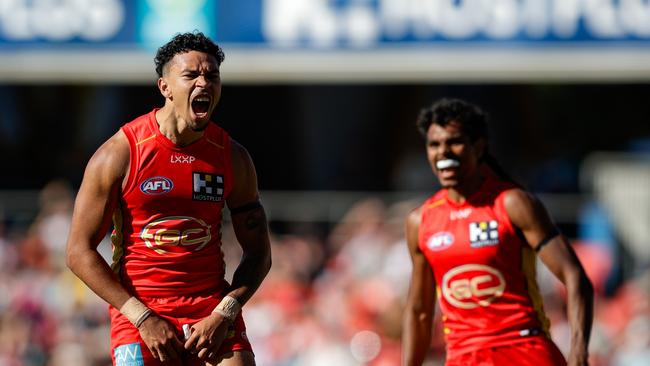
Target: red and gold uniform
(167, 237)
(485, 276)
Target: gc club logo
(472, 285)
(176, 234)
(440, 241)
(156, 185)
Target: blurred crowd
(333, 299)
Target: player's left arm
(251, 229)
(528, 214)
(250, 225)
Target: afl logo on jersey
(176, 234)
(156, 185)
(472, 285)
(440, 241)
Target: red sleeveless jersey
(167, 237)
(484, 270)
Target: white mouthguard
(447, 163)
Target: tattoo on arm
(256, 220)
(251, 230)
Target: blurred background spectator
(329, 299)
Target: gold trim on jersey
(529, 266)
(145, 140)
(445, 329)
(117, 238)
(214, 143)
(436, 203)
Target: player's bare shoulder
(242, 163)
(414, 218)
(239, 152)
(522, 207)
(111, 160)
(413, 221)
(244, 176)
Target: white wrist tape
(135, 311)
(229, 307)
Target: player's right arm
(420, 303)
(96, 200)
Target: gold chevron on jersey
(436, 203)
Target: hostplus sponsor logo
(156, 185)
(483, 233)
(207, 187)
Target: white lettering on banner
(535, 18)
(635, 17)
(602, 19)
(565, 15)
(326, 23)
(363, 27)
(60, 20)
(287, 22)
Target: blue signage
(25, 23)
(318, 24)
(112, 23)
(157, 21)
(372, 23)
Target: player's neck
(174, 128)
(465, 189)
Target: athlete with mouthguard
(164, 178)
(473, 247)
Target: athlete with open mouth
(473, 246)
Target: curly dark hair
(185, 42)
(472, 120)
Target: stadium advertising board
(342, 26)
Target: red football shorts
(538, 351)
(128, 348)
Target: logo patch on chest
(181, 159)
(483, 233)
(176, 234)
(207, 187)
(472, 285)
(460, 214)
(440, 241)
(156, 185)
